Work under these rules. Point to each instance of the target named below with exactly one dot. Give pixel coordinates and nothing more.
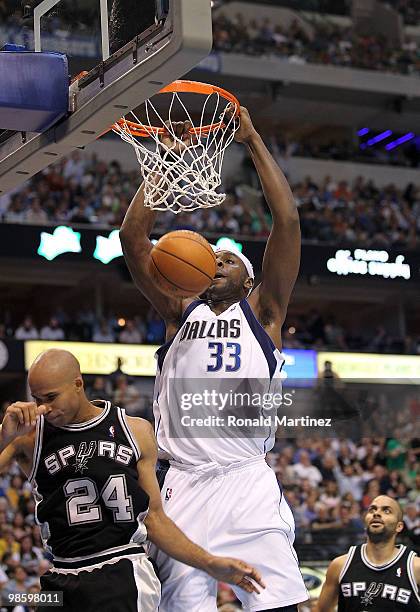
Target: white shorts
(236, 511)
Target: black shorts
(126, 585)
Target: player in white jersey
(220, 490)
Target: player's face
(383, 520)
(63, 400)
(230, 281)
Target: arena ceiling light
(379, 137)
(400, 141)
(390, 146)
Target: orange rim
(145, 131)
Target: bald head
(56, 382)
(54, 368)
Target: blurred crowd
(325, 332)
(331, 44)
(22, 556)
(76, 190)
(339, 212)
(311, 330)
(85, 326)
(85, 190)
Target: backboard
(180, 38)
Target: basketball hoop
(188, 177)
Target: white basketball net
(189, 178)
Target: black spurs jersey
(365, 587)
(85, 481)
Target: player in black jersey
(378, 576)
(97, 498)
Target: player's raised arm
(282, 254)
(135, 232)
(163, 532)
(20, 419)
(329, 594)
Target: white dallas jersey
(231, 350)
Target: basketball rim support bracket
(119, 84)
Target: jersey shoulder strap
(411, 575)
(349, 559)
(122, 417)
(39, 434)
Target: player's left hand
(246, 130)
(236, 572)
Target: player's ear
(248, 284)
(79, 384)
(400, 527)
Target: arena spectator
(18, 526)
(127, 396)
(155, 328)
(99, 389)
(15, 213)
(52, 331)
(30, 555)
(74, 167)
(414, 494)
(27, 331)
(350, 480)
(4, 578)
(304, 469)
(412, 523)
(103, 333)
(397, 454)
(36, 215)
(330, 498)
(19, 583)
(130, 334)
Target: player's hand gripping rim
(176, 138)
(236, 572)
(245, 131)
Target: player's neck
(86, 412)
(219, 307)
(380, 553)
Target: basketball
(183, 264)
